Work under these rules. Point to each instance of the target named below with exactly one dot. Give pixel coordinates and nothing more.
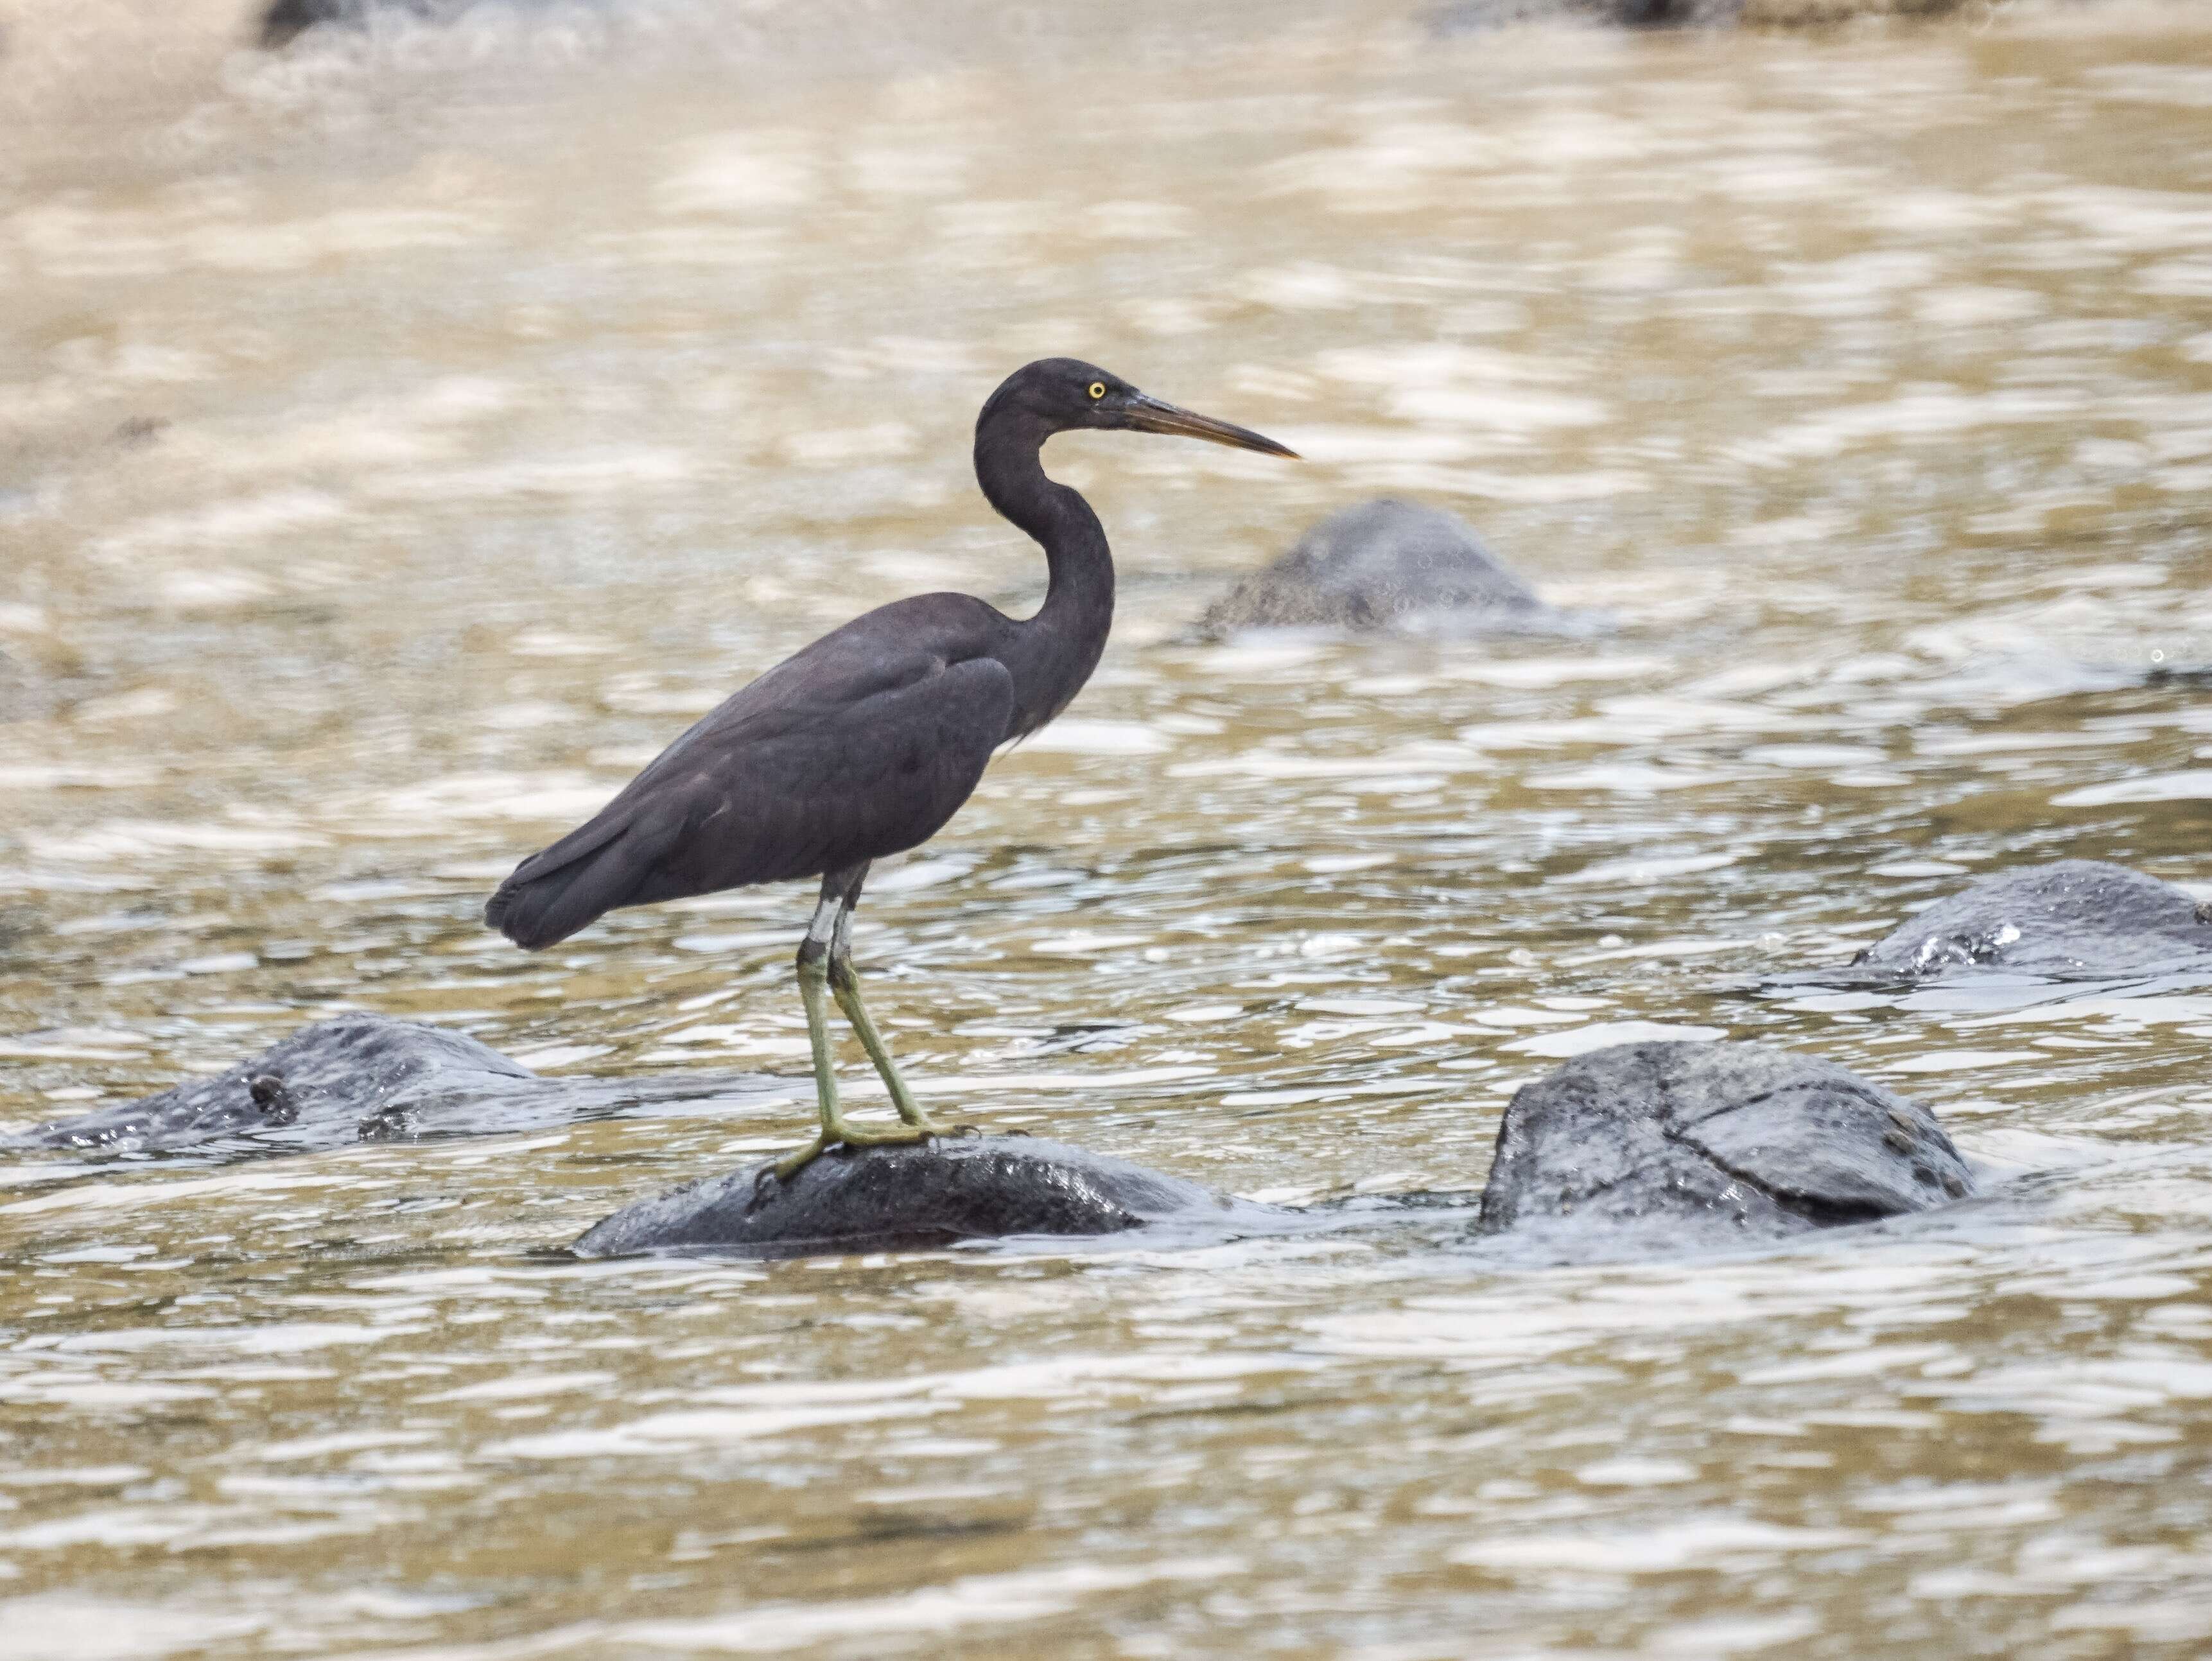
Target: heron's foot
(921, 1123)
(845, 1134)
(791, 1164)
(853, 1136)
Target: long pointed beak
(1150, 415)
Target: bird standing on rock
(863, 744)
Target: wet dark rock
(2073, 920)
(272, 1100)
(284, 21)
(1387, 564)
(1645, 1147)
(2180, 674)
(1696, 1144)
(956, 1188)
(1650, 1147)
(362, 1078)
(138, 431)
(1477, 17)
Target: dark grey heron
(863, 744)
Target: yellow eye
(1097, 389)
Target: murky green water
(527, 389)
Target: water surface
(401, 440)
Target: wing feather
(861, 746)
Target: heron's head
(1065, 395)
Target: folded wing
(861, 746)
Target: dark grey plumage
(863, 744)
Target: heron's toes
(853, 1136)
(791, 1164)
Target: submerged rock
(1479, 16)
(361, 1078)
(1386, 564)
(2073, 920)
(1646, 1148)
(1474, 17)
(956, 1188)
(2180, 674)
(1641, 1146)
(284, 21)
(1698, 1144)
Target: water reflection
(526, 389)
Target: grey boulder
(1386, 564)
(1477, 17)
(1471, 16)
(2072, 920)
(282, 21)
(1694, 1145)
(1643, 1148)
(956, 1188)
(361, 1078)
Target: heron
(865, 743)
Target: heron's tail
(578, 879)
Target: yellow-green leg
(847, 987)
(838, 891)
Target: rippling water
(400, 440)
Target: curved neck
(1053, 653)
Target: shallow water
(523, 387)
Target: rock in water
(2074, 920)
(1699, 1144)
(284, 21)
(1384, 564)
(1468, 16)
(1478, 17)
(361, 1078)
(956, 1188)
